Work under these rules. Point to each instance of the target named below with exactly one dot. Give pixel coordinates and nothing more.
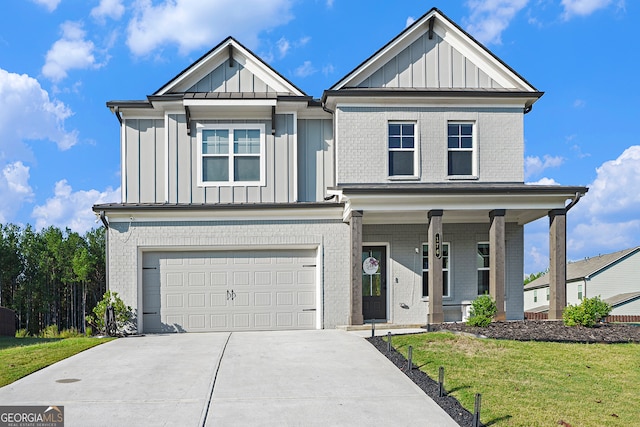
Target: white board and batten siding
(429, 64)
(229, 290)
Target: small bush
(22, 333)
(50, 331)
(122, 311)
(483, 309)
(589, 312)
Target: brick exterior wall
(363, 130)
(128, 241)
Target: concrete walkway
(289, 378)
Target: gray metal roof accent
(211, 206)
(580, 270)
(458, 188)
(129, 104)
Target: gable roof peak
(233, 51)
(442, 33)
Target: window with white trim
(460, 149)
(402, 149)
(580, 292)
(535, 295)
(482, 265)
(425, 270)
(231, 154)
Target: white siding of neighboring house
(572, 292)
(630, 309)
(619, 278)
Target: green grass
(534, 383)
(20, 357)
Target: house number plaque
(437, 248)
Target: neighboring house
(613, 277)
(398, 196)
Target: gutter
(116, 110)
(575, 201)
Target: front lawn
(21, 356)
(534, 383)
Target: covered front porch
(438, 246)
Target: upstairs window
(402, 152)
(231, 154)
(482, 265)
(445, 270)
(460, 147)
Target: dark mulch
(450, 404)
(527, 330)
(540, 330)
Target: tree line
(51, 277)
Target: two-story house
(398, 196)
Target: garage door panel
(223, 291)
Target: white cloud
(410, 20)
(72, 51)
(23, 102)
(305, 70)
(579, 103)
(193, 24)
(14, 189)
(607, 217)
(535, 165)
(283, 46)
(51, 5)
(328, 69)
(113, 9)
(544, 181)
(582, 7)
(72, 209)
(489, 18)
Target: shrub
(589, 312)
(22, 333)
(50, 331)
(482, 311)
(122, 311)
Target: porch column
(497, 261)
(557, 263)
(356, 317)
(436, 313)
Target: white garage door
(229, 291)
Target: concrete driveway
(290, 378)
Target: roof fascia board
(230, 102)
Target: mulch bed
(527, 330)
(554, 331)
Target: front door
(374, 282)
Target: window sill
(426, 299)
(232, 184)
(403, 178)
(463, 177)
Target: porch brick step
(367, 326)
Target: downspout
(116, 111)
(574, 202)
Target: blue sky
(61, 60)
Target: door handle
(233, 294)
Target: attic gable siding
(619, 278)
(230, 79)
(429, 64)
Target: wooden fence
(612, 318)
